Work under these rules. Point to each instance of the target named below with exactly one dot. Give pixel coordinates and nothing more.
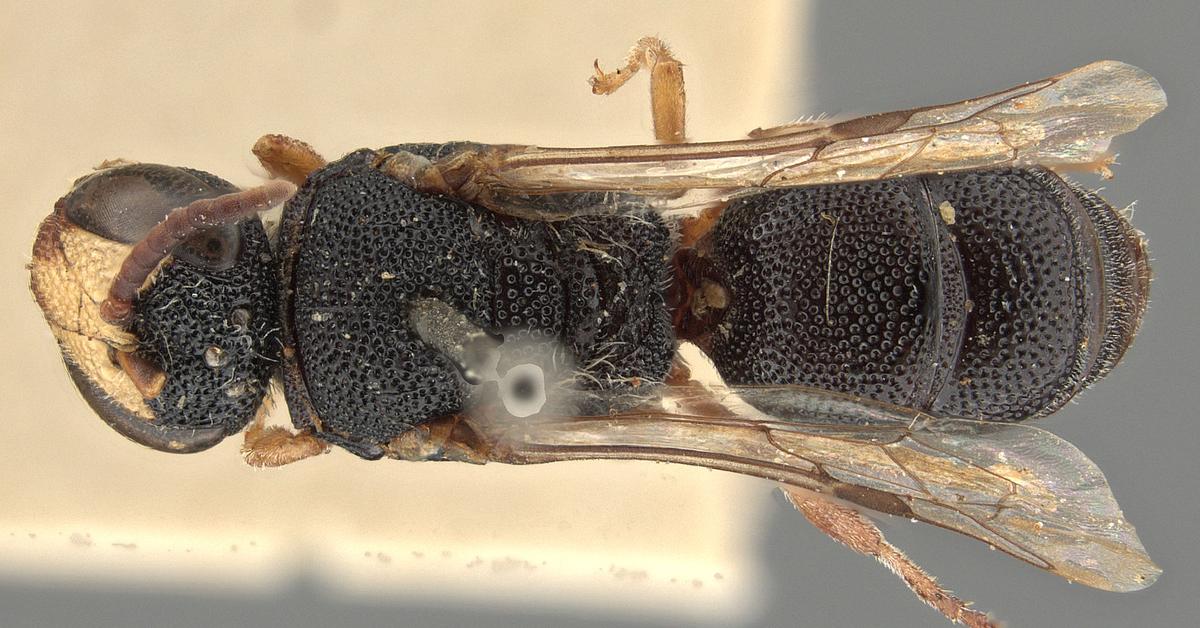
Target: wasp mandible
(885, 298)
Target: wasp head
(188, 358)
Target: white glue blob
(523, 390)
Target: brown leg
(449, 438)
(275, 446)
(668, 102)
(845, 525)
(287, 158)
(667, 98)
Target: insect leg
(668, 103)
(275, 446)
(448, 438)
(287, 158)
(667, 98)
(846, 526)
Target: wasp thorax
(409, 306)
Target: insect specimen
(886, 300)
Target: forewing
(1020, 489)
(1068, 119)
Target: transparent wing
(1062, 120)
(1018, 488)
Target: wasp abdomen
(361, 249)
(992, 294)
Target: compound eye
(123, 203)
(523, 390)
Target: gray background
(1138, 425)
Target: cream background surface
(195, 84)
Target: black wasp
(885, 298)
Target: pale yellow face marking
(71, 272)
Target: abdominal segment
(994, 294)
